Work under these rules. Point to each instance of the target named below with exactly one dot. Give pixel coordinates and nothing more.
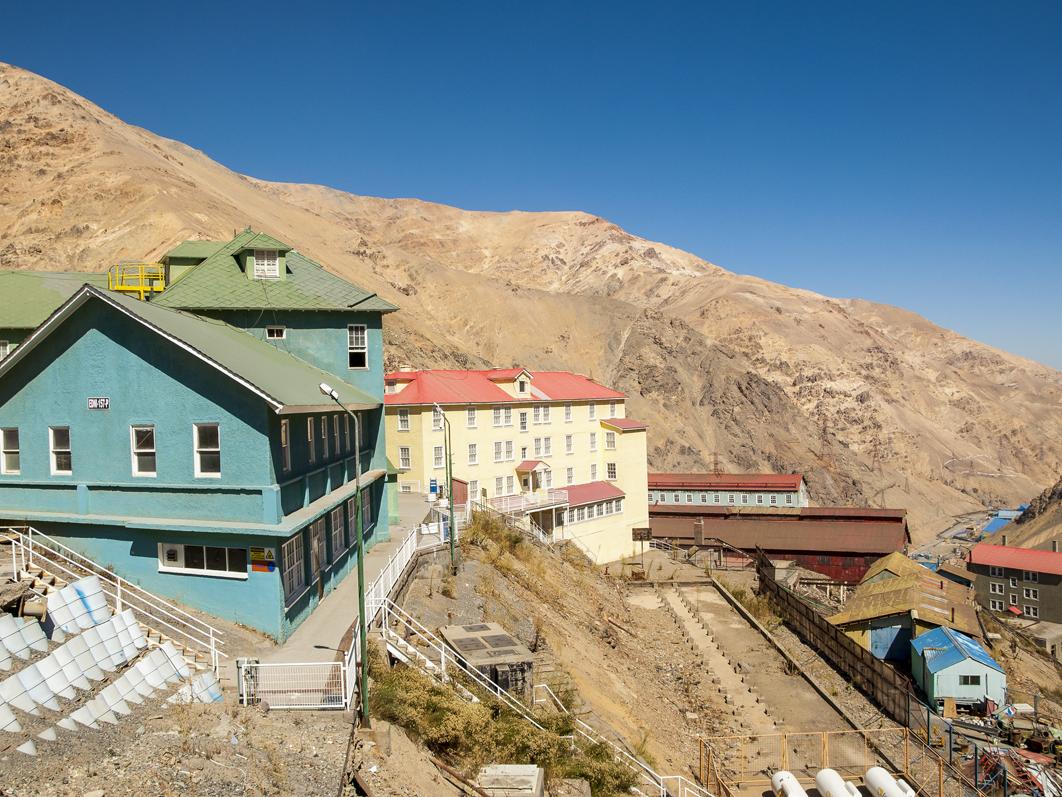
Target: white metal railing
(522, 503)
(523, 524)
(450, 661)
(31, 548)
(308, 685)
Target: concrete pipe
(785, 784)
(881, 784)
(831, 784)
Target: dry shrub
(471, 735)
(759, 606)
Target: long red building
(839, 542)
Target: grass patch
(759, 606)
(471, 735)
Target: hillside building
(551, 447)
(1022, 582)
(183, 441)
(948, 665)
(728, 489)
(839, 542)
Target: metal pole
(449, 485)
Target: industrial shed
(839, 542)
(946, 664)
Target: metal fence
(305, 685)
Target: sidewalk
(319, 636)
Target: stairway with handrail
(410, 642)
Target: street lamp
(363, 668)
(449, 483)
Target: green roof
(195, 249)
(283, 380)
(218, 283)
(29, 297)
(264, 241)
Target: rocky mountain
(873, 403)
(1039, 526)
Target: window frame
(1031, 594)
(325, 455)
(343, 545)
(238, 575)
(53, 451)
(473, 453)
(353, 347)
(996, 605)
(470, 418)
(996, 572)
(593, 442)
(403, 419)
(438, 457)
(197, 450)
(611, 471)
(258, 270)
(437, 419)
(610, 441)
(292, 553)
(1031, 611)
(996, 588)
(405, 458)
(6, 450)
(134, 451)
(311, 440)
(272, 329)
(1031, 576)
(969, 680)
(567, 412)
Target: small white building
(947, 664)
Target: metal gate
(314, 685)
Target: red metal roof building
(1022, 581)
(728, 489)
(409, 388)
(839, 542)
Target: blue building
(949, 665)
(184, 442)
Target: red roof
(592, 492)
(529, 465)
(1017, 558)
(725, 481)
(478, 387)
(625, 424)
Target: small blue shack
(183, 441)
(948, 664)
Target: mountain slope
(859, 396)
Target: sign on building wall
(99, 403)
(263, 560)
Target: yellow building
(551, 448)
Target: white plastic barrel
(785, 784)
(882, 784)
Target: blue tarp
(995, 524)
(950, 647)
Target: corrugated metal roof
(441, 386)
(282, 379)
(927, 597)
(725, 481)
(944, 647)
(1017, 558)
(29, 297)
(995, 524)
(218, 283)
(895, 563)
(592, 492)
(625, 424)
(199, 249)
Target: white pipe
(831, 784)
(881, 784)
(785, 784)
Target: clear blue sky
(906, 152)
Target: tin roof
(929, 598)
(942, 647)
(725, 481)
(440, 386)
(624, 424)
(591, 493)
(27, 298)
(1030, 559)
(895, 563)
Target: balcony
(523, 503)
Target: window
(744, 498)
(759, 498)
(311, 441)
(437, 454)
(789, 498)
(405, 461)
(403, 419)
(612, 409)
(266, 264)
(499, 486)
(996, 606)
(510, 484)
(276, 333)
(547, 446)
(62, 459)
(1031, 594)
(774, 499)
(730, 499)
(293, 570)
(324, 437)
(503, 416)
(547, 479)
(523, 420)
(346, 424)
(600, 509)
(318, 555)
(545, 414)
(592, 410)
(521, 386)
(538, 446)
(1029, 575)
(610, 441)
(470, 417)
(207, 449)
(498, 450)
(473, 454)
(704, 498)
(570, 475)
(1013, 582)
(569, 444)
(996, 572)
(689, 498)
(1013, 599)
(1030, 611)
(357, 347)
(205, 560)
(593, 441)
(996, 588)
(610, 472)
(338, 532)
(9, 453)
(142, 443)
(366, 508)
(473, 490)
(509, 450)
(567, 412)
(593, 472)
(436, 418)
(969, 680)
(335, 433)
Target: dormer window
(521, 386)
(266, 264)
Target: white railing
(30, 548)
(523, 524)
(449, 662)
(522, 503)
(307, 685)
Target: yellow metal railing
(140, 279)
